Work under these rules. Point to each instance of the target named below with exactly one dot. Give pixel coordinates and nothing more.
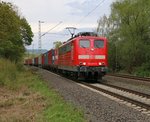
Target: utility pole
(40, 35)
(40, 44)
(32, 48)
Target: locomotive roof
(84, 34)
(81, 35)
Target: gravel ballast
(97, 108)
(132, 84)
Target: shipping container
(40, 60)
(46, 58)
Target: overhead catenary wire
(52, 28)
(79, 20)
(82, 18)
(91, 11)
(61, 34)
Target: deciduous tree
(130, 34)
(15, 32)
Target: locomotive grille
(99, 56)
(83, 56)
(91, 57)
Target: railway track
(127, 90)
(140, 100)
(130, 77)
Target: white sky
(70, 12)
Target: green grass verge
(55, 108)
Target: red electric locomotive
(84, 56)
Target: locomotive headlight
(100, 63)
(84, 63)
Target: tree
(15, 32)
(108, 28)
(57, 44)
(133, 20)
(129, 35)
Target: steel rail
(130, 77)
(138, 103)
(135, 102)
(128, 90)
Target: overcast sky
(82, 14)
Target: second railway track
(131, 77)
(128, 90)
(140, 100)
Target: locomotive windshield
(98, 43)
(84, 43)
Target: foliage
(57, 110)
(14, 32)
(57, 44)
(8, 71)
(29, 85)
(143, 71)
(129, 34)
(111, 53)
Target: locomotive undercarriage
(80, 72)
(85, 73)
(91, 73)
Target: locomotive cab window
(99, 43)
(84, 43)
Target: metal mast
(40, 44)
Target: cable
(91, 11)
(79, 21)
(52, 28)
(61, 34)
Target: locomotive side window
(66, 48)
(99, 43)
(84, 43)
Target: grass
(26, 97)
(57, 110)
(8, 72)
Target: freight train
(82, 57)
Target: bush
(143, 71)
(8, 72)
